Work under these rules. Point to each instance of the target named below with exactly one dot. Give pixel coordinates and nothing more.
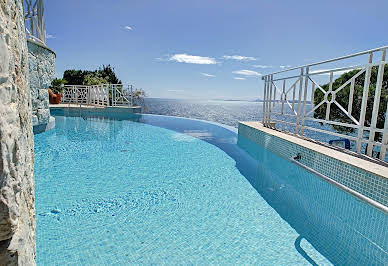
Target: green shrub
(342, 97)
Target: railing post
(293, 97)
(131, 95)
(267, 102)
(88, 100)
(274, 96)
(269, 97)
(76, 96)
(122, 94)
(107, 89)
(351, 95)
(97, 96)
(299, 100)
(384, 141)
(376, 103)
(328, 103)
(264, 102)
(364, 104)
(115, 94)
(306, 83)
(283, 97)
(312, 94)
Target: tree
(74, 77)
(105, 74)
(109, 74)
(94, 79)
(342, 97)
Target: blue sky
(208, 49)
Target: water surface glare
(178, 191)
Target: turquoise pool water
(166, 190)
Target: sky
(208, 49)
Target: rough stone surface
(41, 64)
(17, 207)
(4, 60)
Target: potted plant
(138, 96)
(55, 94)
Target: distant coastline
(219, 100)
(257, 100)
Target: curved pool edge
(270, 185)
(200, 130)
(230, 128)
(125, 114)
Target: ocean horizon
(227, 112)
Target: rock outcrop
(17, 211)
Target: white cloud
(193, 59)
(175, 90)
(128, 28)
(239, 57)
(283, 67)
(49, 36)
(207, 75)
(262, 66)
(238, 78)
(246, 72)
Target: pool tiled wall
(118, 113)
(369, 184)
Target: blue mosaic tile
(372, 186)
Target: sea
(224, 112)
(230, 113)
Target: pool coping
(360, 163)
(84, 106)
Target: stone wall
(41, 64)
(17, 211)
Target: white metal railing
(99, 95)
(121, 95)
(289, 99)
(34, 20)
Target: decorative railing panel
(122, 94)
(98, 95)
(34, 19)
(289, 99)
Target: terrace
(95, 180)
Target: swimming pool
(168, 190)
